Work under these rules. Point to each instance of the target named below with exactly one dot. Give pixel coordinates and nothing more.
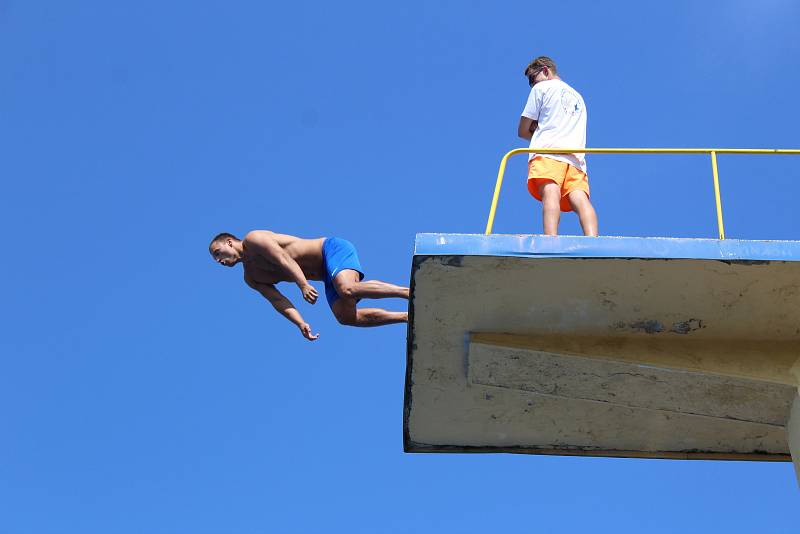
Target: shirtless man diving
(269, 258)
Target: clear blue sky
(145, 389)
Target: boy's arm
(264, 245)
(283, 306)
(530, 114)
(526, 127)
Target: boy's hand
(309, 293)
(305, 329)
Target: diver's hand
(305, 329)
(309, 293)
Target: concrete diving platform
(609, 346)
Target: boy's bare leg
(579, 201)
(346, 313)
(348, 286)
(551, 207)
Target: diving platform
(604, 346)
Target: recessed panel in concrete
(631, 385)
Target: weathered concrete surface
(724, 328)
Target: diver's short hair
(221, 237)
(539, 63)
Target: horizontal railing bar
(652, 151)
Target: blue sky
(146, 389)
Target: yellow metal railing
(712, 151)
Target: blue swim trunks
(338, 255)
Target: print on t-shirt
(570, 102)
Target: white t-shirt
(561, 116)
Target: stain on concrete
(688, 326)
(650, 326)
(606, 299)
(787, 292)
(452, 261)
(746, 262)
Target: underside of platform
(664, 348)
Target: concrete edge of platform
(431, 244)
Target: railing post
(720, 225)
(497, 186)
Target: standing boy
(555, 117)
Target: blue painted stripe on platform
(604, 247)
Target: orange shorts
(542, 170)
